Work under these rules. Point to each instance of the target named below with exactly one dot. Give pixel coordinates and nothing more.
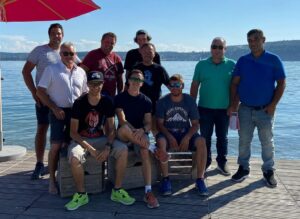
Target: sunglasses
(134, 79)
(217, 47)
(175, 85)
(68, 54)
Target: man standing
(155, 76)
(178, 124)
(134, 114)
(134, 56)
(107, 62)
(41, 57)
(60, 85)
(254, 79)
(213, 75)
(88, 139)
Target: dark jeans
(210, 118)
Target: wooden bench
(182, 165)
(133, 176)
(93, 175)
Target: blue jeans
(210, 118)
(249, 119)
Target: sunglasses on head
(175, 85)
(68, 54)
(217, 47)
(134, 79)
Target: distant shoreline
(286, 50)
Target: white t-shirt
(42, 56)
(63, 86)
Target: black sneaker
(38, 171)
(270, 179)
(240, 175)
(224, 170)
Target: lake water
(19, 122)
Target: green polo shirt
(214, 82)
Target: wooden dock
(21, 197)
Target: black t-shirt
(134, 57)
(90, 117)
(155, 76)
(134, 107)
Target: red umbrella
(43, 10)
(36, 10)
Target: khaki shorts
(77, 151)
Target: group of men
(80, 103)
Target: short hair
(219, 39)
(176, 77)
(68, 44)
(255, 31)
(148, 45)
(109, 34)
(55, 25)
(142, 32)
(135, 71)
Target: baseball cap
(95, 76)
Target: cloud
(16, 43)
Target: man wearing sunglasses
(89, 140)
(178, 125)
(213, 76)
(39, 58)
(133, 110)
(60, 85)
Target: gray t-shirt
(42, 56)
(177, 116)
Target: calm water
(19, 116)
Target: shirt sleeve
(159, 109)
(76, 110)
(33, 56)
(88, 61)
(46, 78)
(197, 72)
(110, 110)
(156, 58)
(119, 65)
(128, 61)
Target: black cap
(95, 76)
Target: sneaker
(161, 155)
(151, 201)
(121, 196)
(240, 175)
(224, 170)
(166, 188)
(270, 179)
(200, 185)
(77, 201)
(38, 171)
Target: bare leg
(78, 174)
(52, 163)
(146, 166)
(121, 164)
(162, 144)
(126, 134)
(201, 156)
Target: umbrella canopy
(43, 10)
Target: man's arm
(194, 89)
(44, 97)
(120, 83)
(280, 87)
(234, 97)
(27, 70)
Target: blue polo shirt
(258, 77)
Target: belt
(256, 107)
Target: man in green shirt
(213, 76)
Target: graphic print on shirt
(92, 121)
(177, 114)
(108, 68)
(148, 77)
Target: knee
(74, 161)
(161, 143)
(124, 130)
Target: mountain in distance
(287, 50)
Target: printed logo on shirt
(92, 120)
(148, 77)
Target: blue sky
(175, 25)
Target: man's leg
(125, 134)
(221, 124)
(52, 163)
(206, 129)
